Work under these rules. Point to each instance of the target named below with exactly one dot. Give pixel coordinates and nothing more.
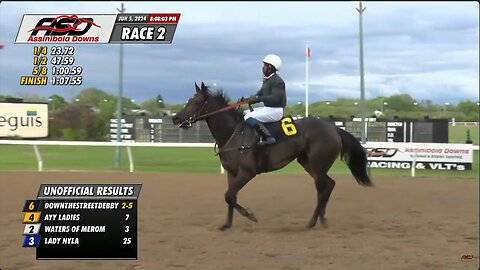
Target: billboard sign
(25, 120)
(434, 156)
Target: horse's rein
(229, 107)
(194, 118)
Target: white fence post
(414, 163)
(130, 158)
(39, 158)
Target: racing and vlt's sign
(433, 156)
(25, 120)
(98, 28)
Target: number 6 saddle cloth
(283, 129)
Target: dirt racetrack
(402, 223)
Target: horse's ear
(197, 88)
(204, 90)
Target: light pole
(119, 99)
(307, 55)
(362, 82)
(383, 105)
(52, 108)
(445, 109)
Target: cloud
(414, 48)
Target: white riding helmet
(273, 60)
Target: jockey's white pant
(264, 114)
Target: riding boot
(265, 137)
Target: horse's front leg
(229, 221)
(235, 184)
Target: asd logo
(381, 152)
(63, 25)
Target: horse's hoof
(224, 227)
(324, 222)
(252, 217)
(311, 224)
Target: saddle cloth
(283, 129)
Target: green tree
(401, 102)
(160, 101)
(93, 96)
(71, 134)
(151, 105)
(467, 107)
(68, 122)
(57, 103)
(128, 105)
(31, 97)
(3, 97)
(107, 111)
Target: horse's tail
(354, 155)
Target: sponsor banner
(98, 28)
(445, 166)
(435, 156)
(26, 120)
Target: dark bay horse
(316, 147)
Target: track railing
(128, 146)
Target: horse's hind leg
(324, 185)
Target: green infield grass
(458, 134)
(164, 159)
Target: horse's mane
(222, 99)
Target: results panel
(83, 221)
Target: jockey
(274, 98)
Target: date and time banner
(56, 65)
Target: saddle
(282, 130)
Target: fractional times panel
(55, 64)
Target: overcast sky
(427, 50)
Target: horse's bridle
(192, 119)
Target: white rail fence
(128, 146)
(466, 124)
